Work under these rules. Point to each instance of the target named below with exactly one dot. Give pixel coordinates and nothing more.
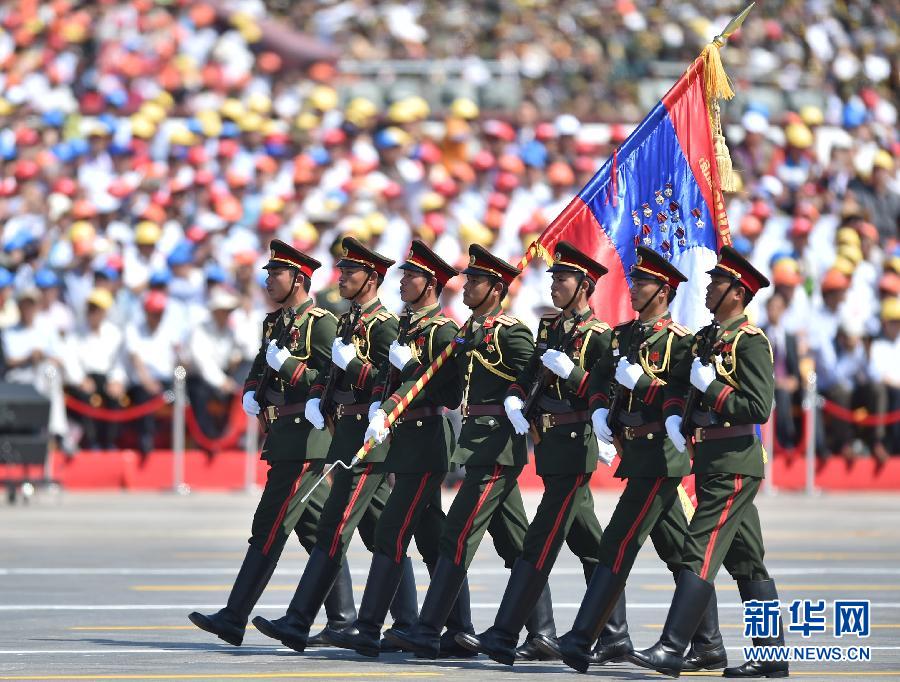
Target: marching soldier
(494, 351)
(359, 493)
(420, 447)
(637, 364)
(293, 450)
(735, 394)
(566, 453)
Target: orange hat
(269, 62)
(509, 163)
(751, 226)
(786, 272)
(835, 280)
(83, 209)
(560, 174)
(868, 231)
(889, 282)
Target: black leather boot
(229, 623)
(540, 639)
(598, 603)
(339, 608)
(688, 606)
(614, 643)
(424, 637)
(761, 590)
(364, 636)
(292, 629)
(707, 651)
(405, 606)
(459, 622)
(523, 591)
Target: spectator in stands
(215, 357)
(152, 349)
(94, 370)
(879, 197)
(884, 372)
(786, 353)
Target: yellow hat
(401, 112)
(251, 122)
(147, 232)
(883, 159)
(259, 103)
(306, 120)
(847, 235)
(431, 201)
(180, 135)
(81, 230)
(844, 265)
(890, 309)
(305, 232)
(473, 232)
(812, 115)
(5, 107)
(354, 226)
(272, 205)
(852, 252)
(101, 298)
(323, 98)
(232, 108)
(210, 123)
(251, 32)
(418, 106)
(142, 127)
(799, 136)
(464, 108)
(376, 222)
(152, 111)
(360, 110)
(165, 99)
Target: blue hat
(742, 245)
(229, 129)
(534, 154)
(108, 272)
(215, 273)
(182, 254)
(160, 278)
(54, 118)
(6, 278)
(19, 240)
(385, 139)
(320, 156)
(46, 279)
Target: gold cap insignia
(471, 260)
(557, 256)
(640, 259)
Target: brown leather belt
(419, 413)
(550, 419)
(351, 410)
(702, 433)
(273, 412)
(483, 410)
(650, 430)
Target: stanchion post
(768, 436)
(810, 407)
(251, 447)
(179, 406)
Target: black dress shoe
(612, 652)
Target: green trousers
(647, 506)
(356, 499)
(413, 509)
(488, 500)
(565, 512)
(280, 510)
(725, 529)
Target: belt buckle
(698, 434)
(546, 421)
(339, 410)
(628, 432)
(464, 410)
(271, 413)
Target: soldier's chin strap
(424, 289)
(291, 290)
(647, 302)
(494, 281)
(363, 285)
(581, 278)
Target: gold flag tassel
(718, 86)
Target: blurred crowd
(149, 151)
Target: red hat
(446, 187)
(283, 255)
(197, 156)
(506, 182)
(269, 222)
(485, 264)
(422, 259)
(499, 129)
(734, 265)
(801, 227)
(428, 152)
(26, 169)
(155, 302)
(761, 209)
(493, 218)
(333, 137)
(751, 226)
(544, 131)
(510, 163)
(356, 255)
(584, 164)
(392, 190)
(228, 148)
(568, 258)
(436, 222)
(65, 186)
(203, 177)
(867, 231)
(483, 160)
(498, 201)
(195, 233)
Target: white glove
(558, 362)
(628, 374)
(374, 406)
(607, 452)
(399, 355)
(673, 428)
(342, 353)
(251, 407)
(276, 356)
(313, 413)
(513, 406)
(702, 375)
(378, 429)
(601, 427)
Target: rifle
(705, 342)
(543, 380)
(393, 378)
(336, 373)
(287, 322)
(632, 355)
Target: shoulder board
(677, 329)
(385, 315)
(438, 321)
(318, 312)
(748, 328)
(507, 320)
(597, 326)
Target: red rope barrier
(125, 414)
(859, 417)
(237, 423)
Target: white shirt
(95, 352)
(883, 365)
(157, 349)
(213, 351)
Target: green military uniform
(421, 443)
(494, 350)
(357, 495)
(293, 450)
(728, 466)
